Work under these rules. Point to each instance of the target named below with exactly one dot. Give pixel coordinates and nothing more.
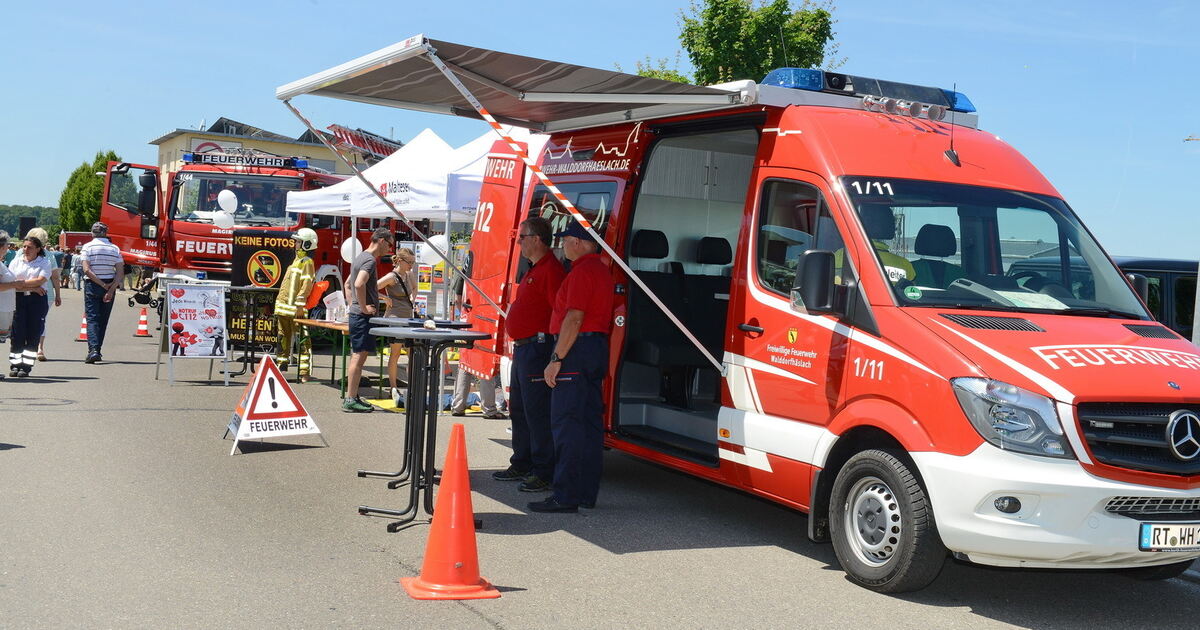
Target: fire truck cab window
(260, 200)
(793, 219)
(123, 189)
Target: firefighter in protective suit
(290, 303)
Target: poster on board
(196, 321)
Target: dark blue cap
(575, 229)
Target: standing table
(420, 432)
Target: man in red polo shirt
(528, 325)
(575, 373)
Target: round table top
(417, 322)
(429, 334)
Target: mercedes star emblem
(1183, 434)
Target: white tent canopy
(338, 198)
(460, 174)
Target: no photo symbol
(264, 268)
(269, 408)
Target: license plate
(1169, 537)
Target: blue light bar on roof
(187, 158)
(304, 163)
(959, 102)
(815, 80)
(796, 78)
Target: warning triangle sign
(269, 407)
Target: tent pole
(566, 203)
(412, 228)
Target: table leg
(414, 455)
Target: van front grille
(1134, 436)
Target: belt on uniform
(538, 338)
(592, 334)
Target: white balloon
(223, 220)
(430, 257)
(351, 248)
(227, 200)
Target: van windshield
(959, 246)
(260, 199)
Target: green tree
(730, 40)
(79, 203)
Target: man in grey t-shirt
(363, 296)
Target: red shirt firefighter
(528, 325)
(580, 322)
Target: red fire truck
(166, 222)
(862, 344)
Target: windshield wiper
(1099, 310)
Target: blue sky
(1098, 95)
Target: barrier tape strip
(574, 212)
(412, 228)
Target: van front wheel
(882, 525)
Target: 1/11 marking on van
(865, 188)
(868, 368)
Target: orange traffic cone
(451, 567)
(143, 329)
(82, 330)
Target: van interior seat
(653, 339)
(708, 296)
(937, 241)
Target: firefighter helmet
(307, 238)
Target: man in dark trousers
(528, 325)
(104, 268)
(575, 373)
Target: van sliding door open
(683, 236)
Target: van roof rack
(538, 94)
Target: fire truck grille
(990, 322)
(1152, 505)
(1153, 331)
(1134, 436)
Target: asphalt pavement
(120, 507)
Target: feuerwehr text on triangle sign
(269, 408)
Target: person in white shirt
(9, 285)
(104, 268)
(54, 297)
(31, 266)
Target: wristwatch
(554, 358)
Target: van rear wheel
(882, 525)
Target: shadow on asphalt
(646, 508)
(643, 507)
(33, 378)
(9, 447)
(250, 448)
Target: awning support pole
(566, 203)
(412, 228)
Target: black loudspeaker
(27, 223)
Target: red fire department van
(166, 223)
(847, 249)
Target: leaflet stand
(165, 331)
(420, 440)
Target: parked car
(1172, 284)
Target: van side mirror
(813, 292)
(1141, 285)
(148, 183)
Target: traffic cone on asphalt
(451, 566)
(143, 329)
(82, 330)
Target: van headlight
(1012, 418)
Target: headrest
(649, 244)
(713, 250)
(935, 240)
(878, 221)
